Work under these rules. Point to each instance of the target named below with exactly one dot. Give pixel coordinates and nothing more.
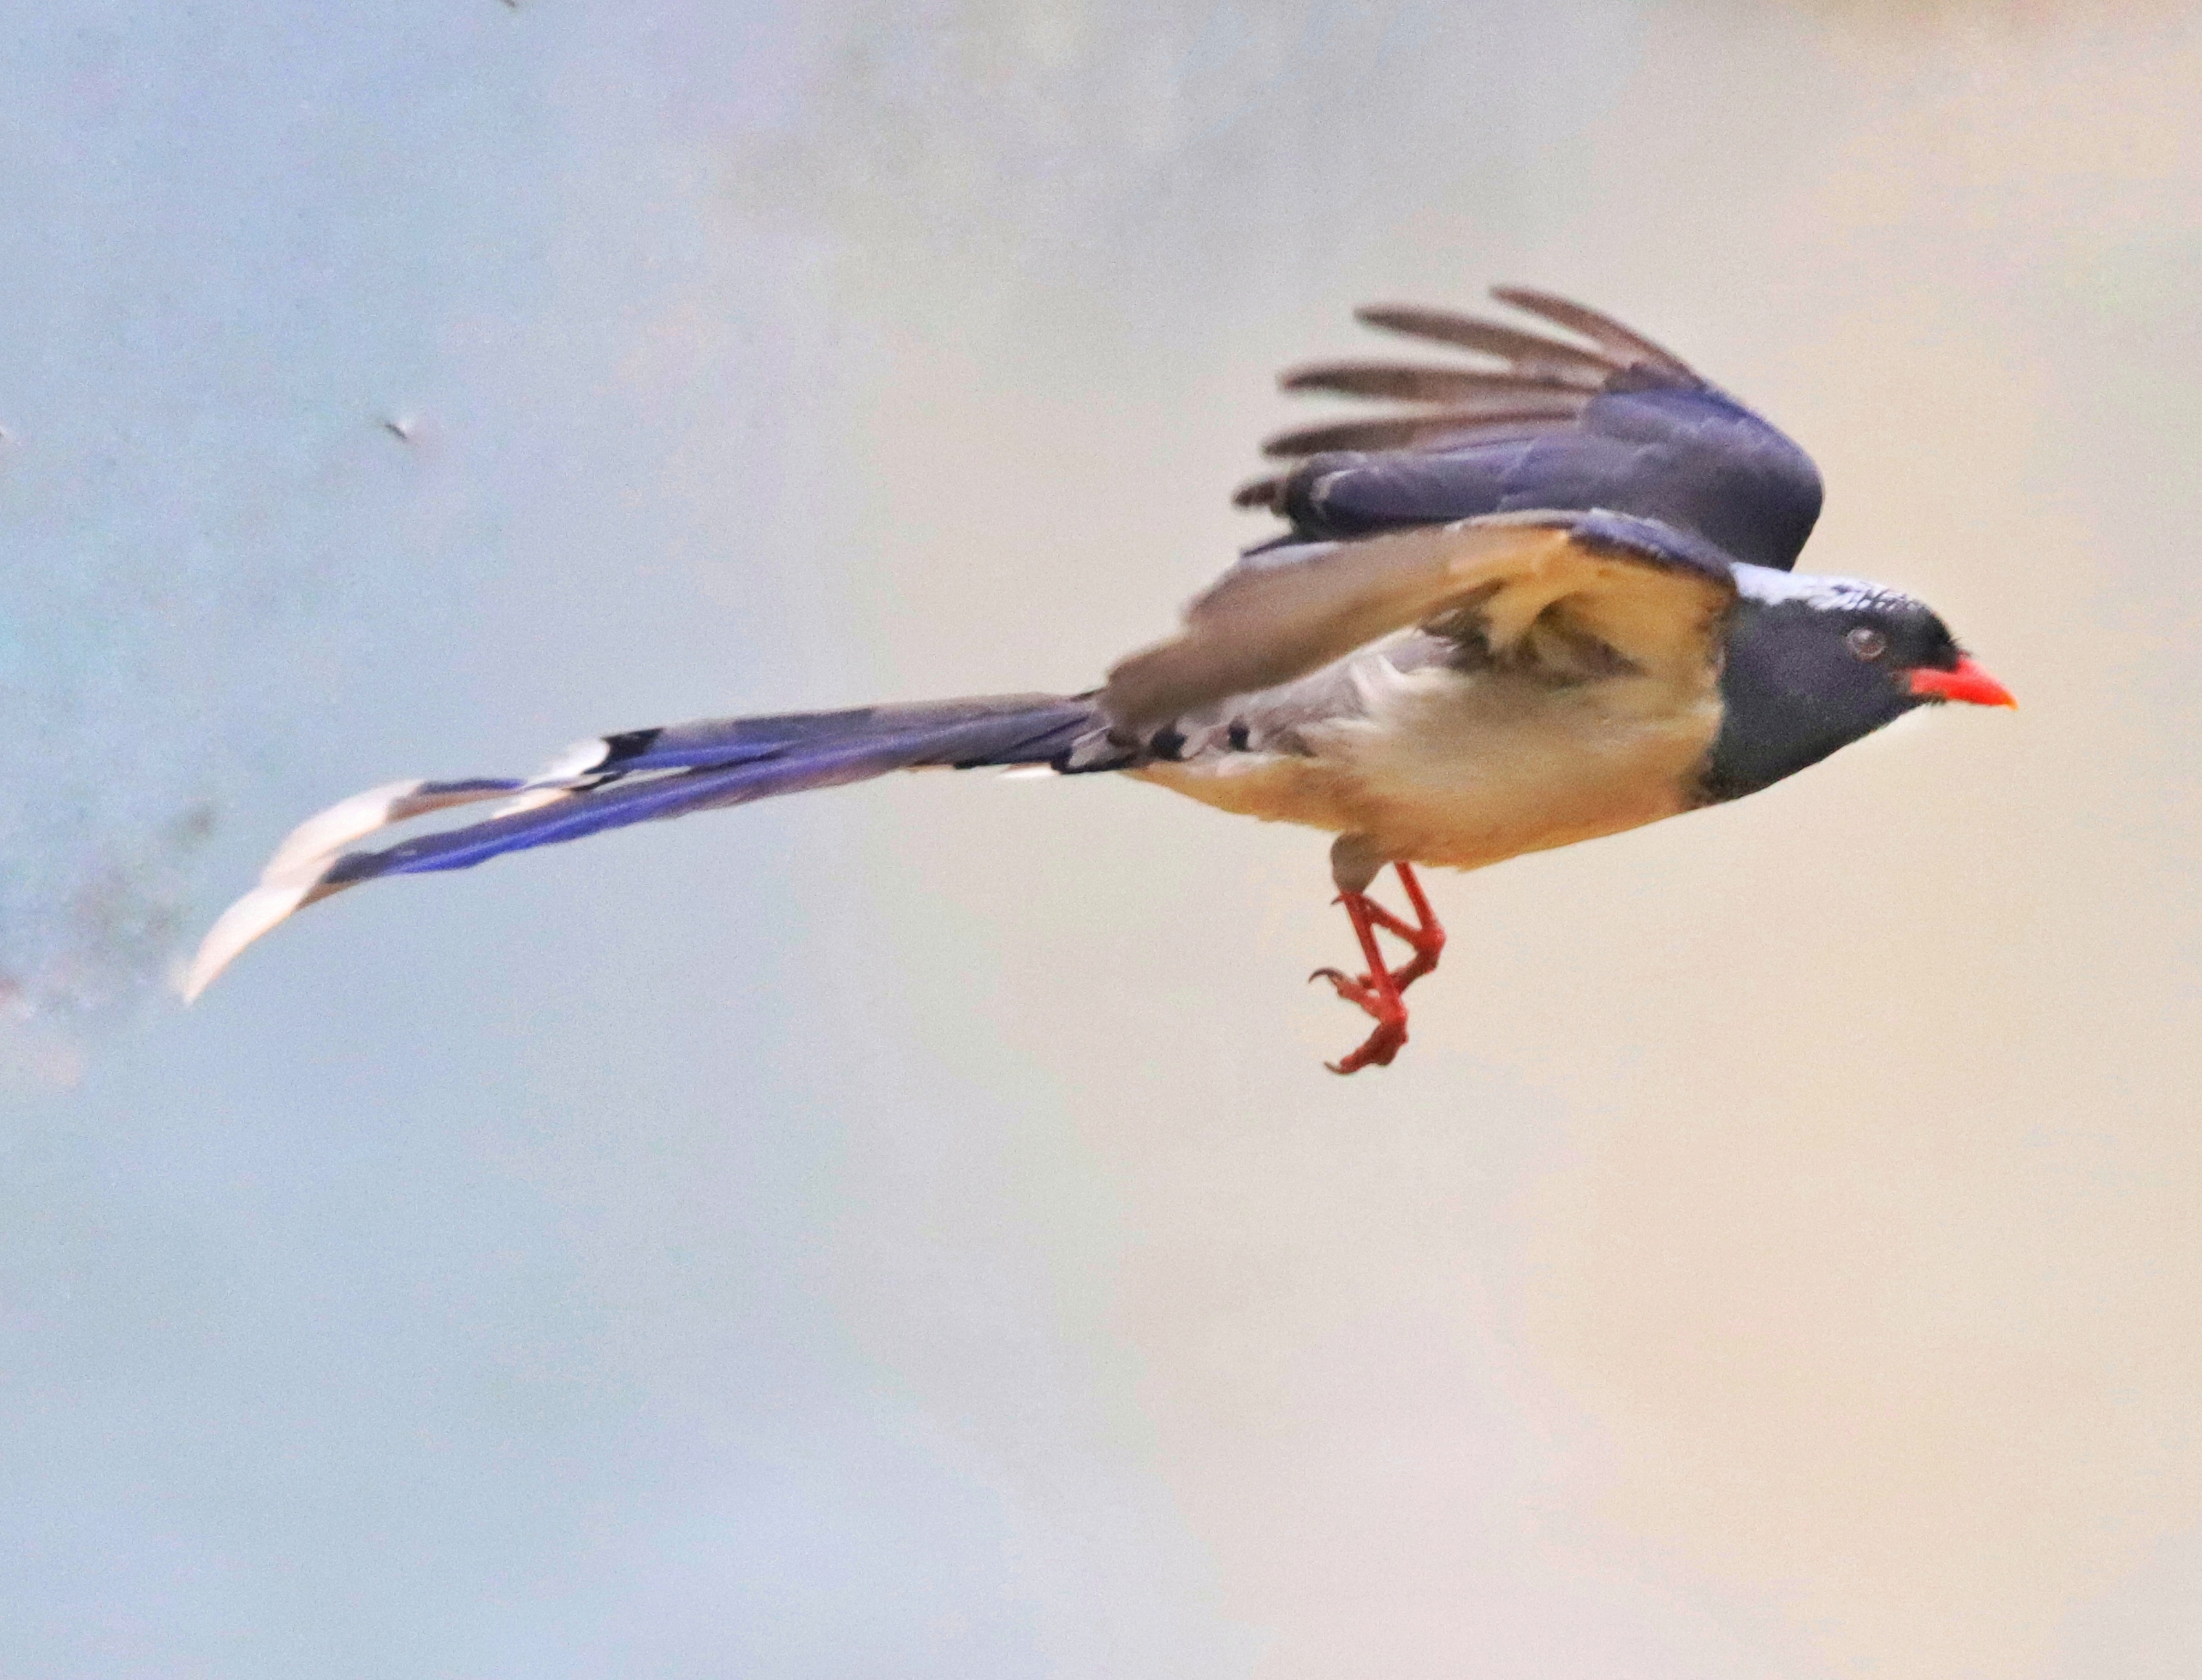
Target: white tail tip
(244, 922)
(534, 799)
(338, 826)
(293, 878)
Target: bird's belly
(1463, 780)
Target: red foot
(1377, 992)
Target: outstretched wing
(1569, 594)
(1614, 422)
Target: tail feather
(320, 836)
(637, 776)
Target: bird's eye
(1867, 642)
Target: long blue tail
(640, 776)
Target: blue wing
(1618, 424)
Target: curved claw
(1377, 1050)
(1354, 988)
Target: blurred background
(908, 1230)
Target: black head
(1815, 664)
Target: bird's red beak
(1968, 683)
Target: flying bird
(1549, 594)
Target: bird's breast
(1462, 770)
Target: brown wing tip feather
(1624, 344)
(1412, 382)
(1541, 383)
(1430, 427)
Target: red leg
(1378, 991)
(1428, 938)
(1374, 992)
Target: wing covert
(1654, 596)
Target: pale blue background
(906, 1232)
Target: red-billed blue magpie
(1549, 596)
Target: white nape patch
(243, 922)
(1769, 587)
(1027, 772)
(338, 826)
(577, 760)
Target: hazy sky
(908, 1230)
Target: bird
(1547, 594)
